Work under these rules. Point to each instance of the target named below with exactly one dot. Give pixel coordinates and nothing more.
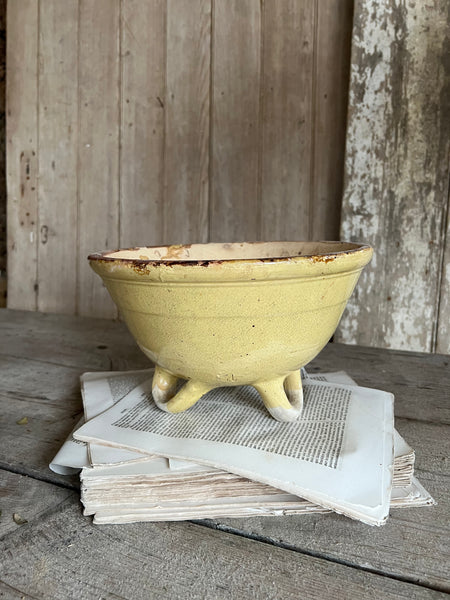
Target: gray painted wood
(397, 173)
(89, 344)
(420, 382)
(58, 155)
(186, 183)
(167, 121)
(11, 593)
(26, 497)
(287, 110)
(22, 153)
(28, 449)
(414, 542)
(142, 122)
(330, 85)
(443, 330)
(98, 148)
(71, 558)
(412, 546)
(236, 75)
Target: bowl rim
(172, 260)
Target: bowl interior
(231, 251)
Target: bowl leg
(163, 391)
(163, 387)
(283, 397)
(294, 390)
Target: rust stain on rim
(174, 252)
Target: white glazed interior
(233, 251)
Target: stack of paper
(226, 457)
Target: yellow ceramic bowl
(232, 314)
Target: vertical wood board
(236, 54)
(330, 96)
(286, 124)
(397, 171)
(22, 150)
(187, 121)
(98, 185)
(142, 122)
(443, 329)
(58, 136)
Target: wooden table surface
(60, 554)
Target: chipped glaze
(232, 314)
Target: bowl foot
(283, 396)
(163, 391)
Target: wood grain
(29, 449)
(58, 137)
(142, 122)
(83, 343)
(330, 97)
(22, 149)
(187, 121)
(98, 206)
(40, 380)
(172, 122)
(236, 72)
(11, 593)
(420, 382)
(412, 544)
(397, 171)
(443, 327)
(112, 561)
(26, 497)
(286, 123)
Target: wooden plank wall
(397, 175)
(2, 153)
(159, 121)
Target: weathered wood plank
(28, 449)
(49, 383)
(396, 180)
(407, 547)
(286, 149)
(111, 560)
(11, 593)
(443, 328)
(58, 135)
(234, 210)
(98, 174)
(330, 80)
(420, 544)
(3, 190)
(142, 126)
(26, 497)
(187, 121)
(84, 343)
(412, 545)
(420, 382)
(22, 143)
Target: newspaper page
(72, 456)
(100, 391)
(338, 454)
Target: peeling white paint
(394, 198)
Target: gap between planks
(284, 546)
(253, 537)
